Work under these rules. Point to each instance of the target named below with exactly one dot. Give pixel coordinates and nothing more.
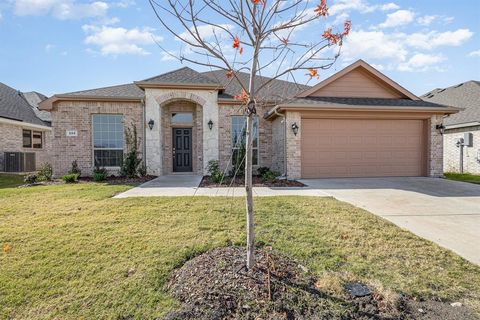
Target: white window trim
(111, 168)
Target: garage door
(362, 148)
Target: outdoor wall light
(295, 128)
(210, 124)
(151, 124)
(440, 128)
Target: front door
(182, 150)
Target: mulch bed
(216, 285)
(256, 181)
(110, 180)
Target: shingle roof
(182, 76)
(275, 91)
(464, 95)
(34, 98)
(381, 102)
(15, 107)
(129, 90)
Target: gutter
(463, 125)
(48, 104)
(25, 124)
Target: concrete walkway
(187, 185)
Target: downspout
(284, 141)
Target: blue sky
(55, 46)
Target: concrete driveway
(443, 211)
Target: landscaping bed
(216, 285)
(257, 181)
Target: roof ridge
(106, 87)
(169, 72)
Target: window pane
(238, 133)
(37, 139)
(108, 135)
(108, 158)
(27, 138)
(182, 117)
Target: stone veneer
(435, 148)
(12, 141)
(265, 148)
(278, 145)
(471, 155)
(77, 115)
(155, 101)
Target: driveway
(443, 211)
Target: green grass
(72, 246)
(465, 177)
(10, 180)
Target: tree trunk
(248, 189)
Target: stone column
(153, 138)
(210, 137)
(294, 156)
(435, 156)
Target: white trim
(462, 125)
(25, 124)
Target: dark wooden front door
(182, 150)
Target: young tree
(254, 36)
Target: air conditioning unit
(20, 162)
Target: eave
(48, 104)
(193, 86)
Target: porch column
(210, 137)
(294, 156)
(153, 138)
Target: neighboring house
(22, 128)
(467, 97)
(356, 123)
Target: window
(182, 117)
(32, 139)
(107, 140)
(239, 126)
(27, 138)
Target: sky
(56, 46)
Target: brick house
(24, 129)
(463, 125)
(356, 123)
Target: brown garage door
(362, 148)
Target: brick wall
(225, 137)
(12, 141)
(471, 156)
(77, 115)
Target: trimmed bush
(270, 176)
(100, 174)
(214, 171)
(30, 178)
(131, 161)
(75, 169)
(71, 177)
(46, 172)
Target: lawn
(465, 177)
(10, 180)
(76, 253)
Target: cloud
(49, 47)
(373, 45)
(475, 53)
(429, 19)
(208, 31)
(1, 17)
(60, 9)
(359, 5)
(398, 18)
(422, 62)
(117, 40)
(434, 39)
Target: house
(463, 125)
(356, 123)
(24, 129)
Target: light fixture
(295, 128)
(440, 128)
(210, 124)
(151, 123)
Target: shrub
(75, 169)
(46, 172)
(142, 170)
(100, 174)
(71, 177)
(30, 178)
(262, 170)
(214, 171)
(131, 161)
(270, 176)
(238, 165)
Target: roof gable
(14, 106)
(359, 80)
